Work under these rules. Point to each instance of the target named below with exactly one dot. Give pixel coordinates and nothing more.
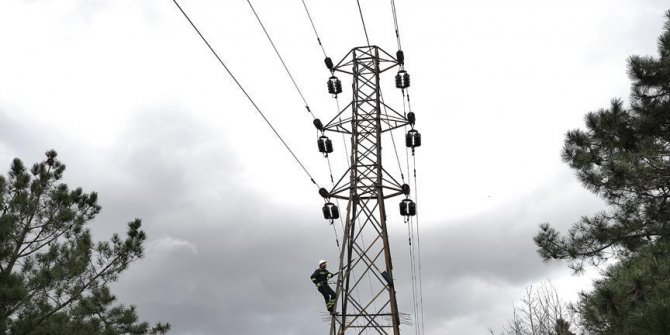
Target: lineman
(320, 279)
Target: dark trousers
(327, 292)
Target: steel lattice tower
(365, 290)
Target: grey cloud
(249, 272)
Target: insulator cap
(400, 56)
(413, 139)
(325, 145)
(334, 85)
(407, 208)
(411, 118)
(329, 63)
(318, 124)
(330, 211)
(405, 189)
(402, 79)
(324, 193)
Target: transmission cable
(245, 93)
(281, 59)
(318, 39)
(330, 169)
(410, 231)
(418, 244)
(395, 148)
(410, 234)
(363, 20)
(395, 23)
(416, 198)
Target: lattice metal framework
(366, 295)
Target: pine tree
(632, 297)
(624, 157)
(562, 327)
(53, 277)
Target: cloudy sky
(141, 112)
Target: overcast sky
(141, 112)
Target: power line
(395, 148)
(395, 23)
(417, 253)
(245, 93)
(363, 20)
(410, 236)
(418, 243)
(281, 59)
(314, 28)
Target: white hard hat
(322, 261)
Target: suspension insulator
(405, 189)
(324, 193)
(334, 85)
(402, 79)
(411, 118)
(413, 139)
(407, 208)
(400, 56)
(318, 124)
(325, 145)
(329, 63)
(330, 211)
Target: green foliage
(633, 297)
(624, 157)
(53, 277)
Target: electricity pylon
(366, 297)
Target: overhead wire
(413, 252)
(395, 148)
(416, 259)
(337, 242)
(330, 169)
(344, 140)
(246, 94)
(416, 198)
(417, 252)
(410, 237)
(281, 59)
(395, 23)
(418, 243)
(363, 20)
(318, 39)
(346, 155)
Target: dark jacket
(320, 277)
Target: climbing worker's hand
(318, 285)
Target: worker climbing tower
(366, 296)
(365, 283)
